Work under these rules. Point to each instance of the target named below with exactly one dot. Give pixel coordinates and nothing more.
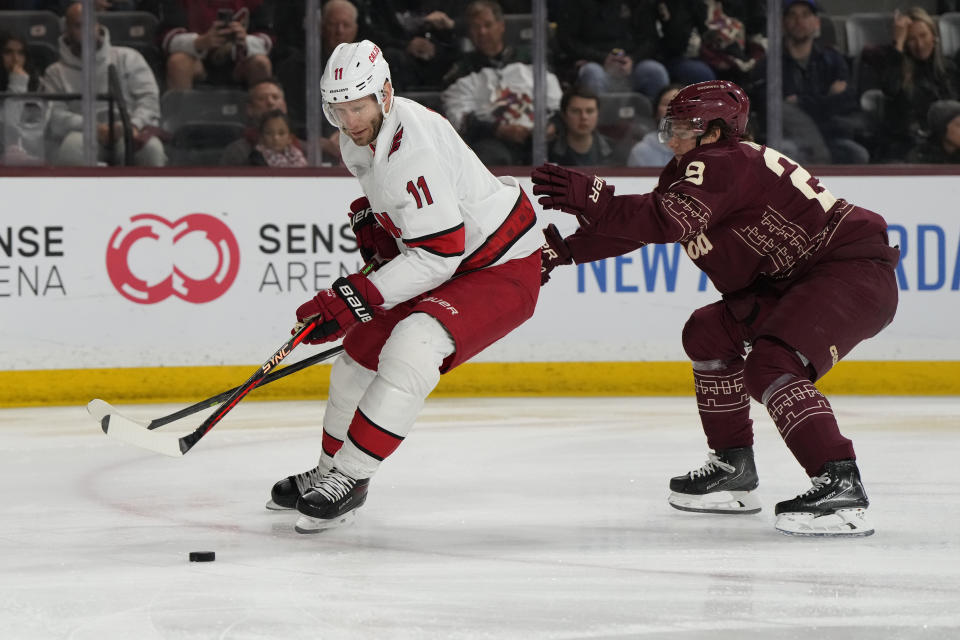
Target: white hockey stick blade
(120, 427)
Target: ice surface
(497, 518)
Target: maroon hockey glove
(350, 300)
(372, 239)
(554, 252)
(571, 191)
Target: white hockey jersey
(448, 213)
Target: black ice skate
(724, 484)
(332, 501)
(284, 494)
(836, 505)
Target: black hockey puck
(202, 556)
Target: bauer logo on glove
(357, 304)
(349, 301)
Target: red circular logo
(200, 269)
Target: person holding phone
(227, 44)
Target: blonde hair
(919, 14)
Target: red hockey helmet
(699, 104)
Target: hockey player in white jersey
(459, 254)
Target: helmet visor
(682, 129)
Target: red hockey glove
(554, 252)
(372, 239)
(350, 300)
(571, 191)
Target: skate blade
(722, 502)
(309, 524)
(273, 506)
(844, 523)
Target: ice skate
(835, 506)
(284, 495)
(724, 484)
(331, 502)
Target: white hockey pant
(392, 396)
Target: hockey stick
(122, 428)
(223, 395)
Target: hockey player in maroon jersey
(459, 256)
(804, 277)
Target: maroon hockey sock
(724, 405)
(806, 421)
(777, 377)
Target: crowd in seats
(863, 83)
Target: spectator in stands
(610, 45)
(139, 88)
(683, 23)
(338, 24)
(650, 152)
(22, 121)
(485, 28)
(262, 98)
(492, 109)
(820, 108)
(725, 47)
(418, 37)
(913, 75)
(578, 143)
(223, 43)
(18, 74)
(943, 145)
(276, 144)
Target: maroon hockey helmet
(699, 104)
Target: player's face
(679, 135)
(360, 119)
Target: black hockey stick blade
(139, 434)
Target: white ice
(496, 519)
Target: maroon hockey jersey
(743, 212)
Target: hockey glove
(375, 244)
(571, 191)
(554, 252)
(349, 301)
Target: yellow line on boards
(191, 384)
